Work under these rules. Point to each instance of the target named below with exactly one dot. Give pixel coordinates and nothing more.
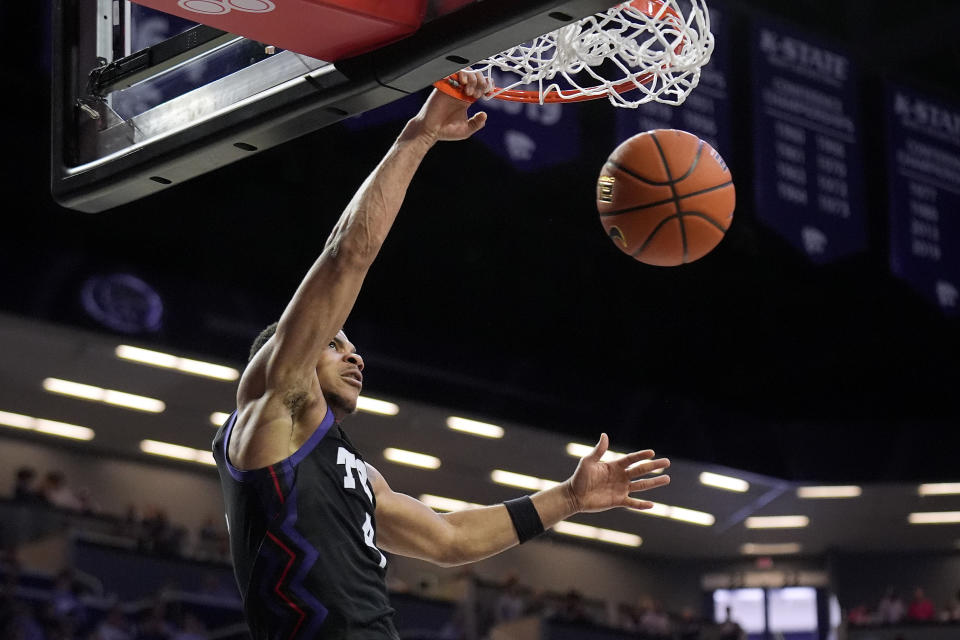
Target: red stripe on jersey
(283, 577)
(276, 483)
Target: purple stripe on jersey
(308, 557)
(313, 440)
(238, 474)
(272, 562)
(243, 476)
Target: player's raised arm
(408, 527)
(326, 295)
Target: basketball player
(307, 516)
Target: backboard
(144, 99)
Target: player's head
(338, 370)
(339, 374)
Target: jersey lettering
(352, 465)
(368, 538)
(344, 457)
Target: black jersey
(302, 538)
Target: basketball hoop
(633, 53)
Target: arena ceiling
(498, 295)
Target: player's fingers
(477, 121)
(650, 466)
(600, 449)
(633, 503)
(633, 458)
(470, 82)
(645, 484)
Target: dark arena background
(817, 346)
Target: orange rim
(648, 7)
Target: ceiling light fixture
(411, 458)
(371, 405)
(724, 482)
(49, 427)
(184, 365)
(481, 429)
(845, 491)
(777, 522)
(512, 479)
(180, 452)
(106, 396)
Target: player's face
(339, 374)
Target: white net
(636, 52)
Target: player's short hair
(261, 340)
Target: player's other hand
(444, 117)
(598, 486)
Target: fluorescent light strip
(217, 418)
(107, 396)
(724, 482)
(596, 533)
(184, 365)
(411, 458)
(777, 522)
(512, 479)
(939, 489)
(935, 517)
(371, 405)
(177, 451)
(481, 429)
(846, 491)
(755, 549)
(692, 516)
(446, 504)
(49, 427)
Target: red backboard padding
(325, 29)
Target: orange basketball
(665, 197)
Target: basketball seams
(679, 216)
(651, 205)
(676, 200)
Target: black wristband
(525, 518)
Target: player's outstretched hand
(444, 117)
(598, 486)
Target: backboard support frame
(119, 165)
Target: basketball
(665, 197)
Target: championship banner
(808, 174)
(706, 111)
(923, 155)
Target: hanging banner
(923, 156)
(706, 111)
(808, 175)
(531, 136)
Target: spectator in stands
(859, 615)
(155, 626)
(921, 607)
(655, 622)
(730, 629)
(17, 621)
(63, 597)
(690, 627)
(115, 626)
(159, 535)
(510, 604)
(192, 629)
(892, 608)
(57, 494)
(953, 609)
(626, 617)
(23, 488)
(572, 609)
